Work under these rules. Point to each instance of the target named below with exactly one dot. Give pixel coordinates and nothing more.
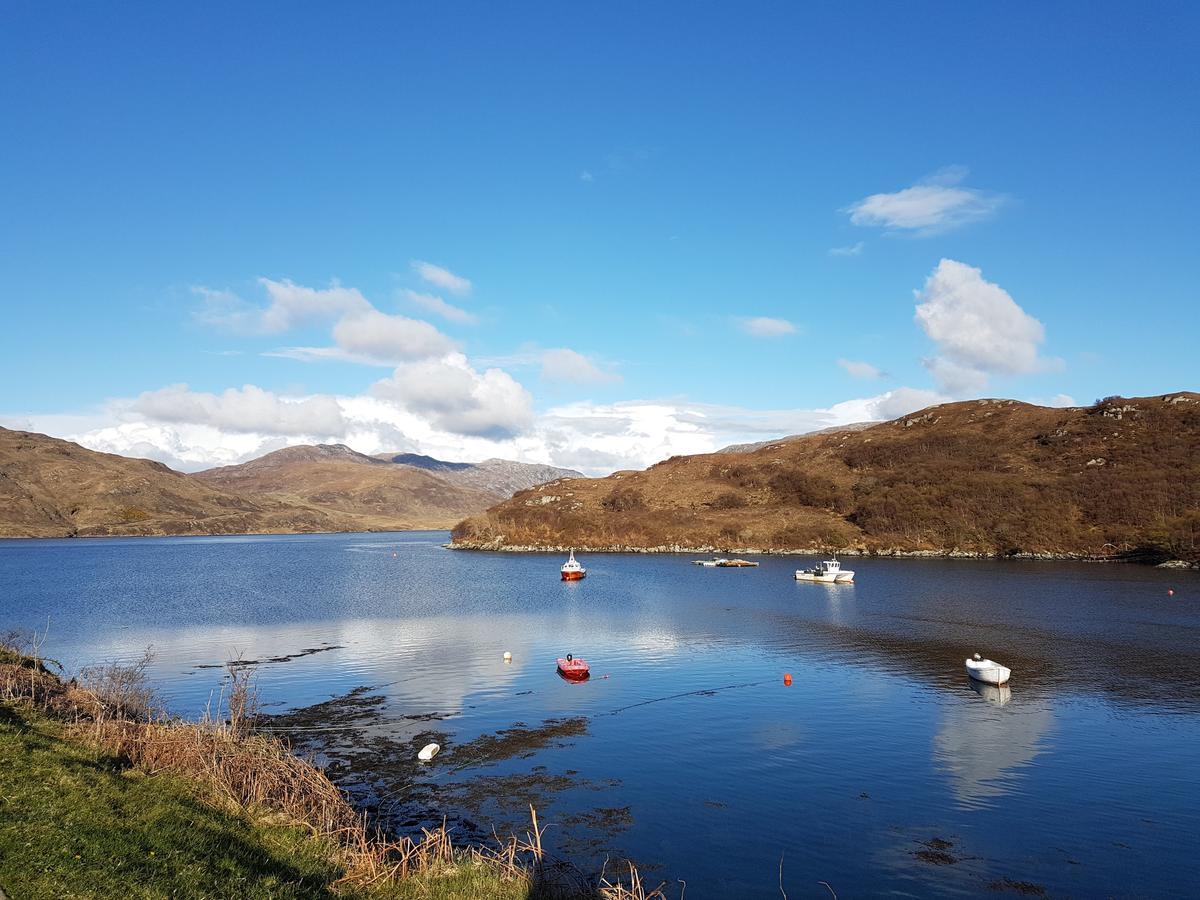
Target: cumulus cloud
(246, 409)
(458, 399)
(901, 402)
(851, 250)
(442, 278)
(766, 327)
(565, 365)
(389, 339)
(446, 409)
(440, 307)
(860, 369)
(978, 328)
(289, 304)
(935, 204)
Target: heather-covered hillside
(984, 476)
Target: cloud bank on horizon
(436, 401)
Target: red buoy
(1170, 592)
(787, 678)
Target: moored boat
(988, 672)
(829, 571)
(570, 667)
(572, 570)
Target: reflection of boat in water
(572, 570)
(997, 694)
(987, 671)
(829, 571)
(572, 668)
(723, 563)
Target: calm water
(686, 752)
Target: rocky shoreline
(498, 546)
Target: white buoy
(507, 656)
(428, 752)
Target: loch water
(880, 769)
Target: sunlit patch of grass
(75, 822)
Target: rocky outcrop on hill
(501, 477)
(995, 477)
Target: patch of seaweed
(1020, 887)
(246, 663)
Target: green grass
(75, 823)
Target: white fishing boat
(829, 571)
(571, 570)
(987, 671)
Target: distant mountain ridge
(502, 477)
(981, 477)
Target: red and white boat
(571, 570)
(573, 668)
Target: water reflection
(998, 695)
(986, 748)
(693, 754)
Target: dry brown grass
(111, 708)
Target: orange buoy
(787, 678)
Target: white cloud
(389, 339)
(246, 409)
(851, 250)
(565, 365)
(901, 402)
(766, 327)
(978, 328)
(957, 380)
(458, 399)
(440, 307)
(936, 204)
(585, 175)
(443, 278)
(289, 304)
(860, 369)
(447, 409)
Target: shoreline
(887, 553)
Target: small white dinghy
(987, 671)
(428, 752)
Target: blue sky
(681, 224)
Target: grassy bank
(98, 799)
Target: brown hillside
(54, 488)
(984, 476)
(374, 494)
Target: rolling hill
(54, 488)
(995, 477)
(373, 493)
